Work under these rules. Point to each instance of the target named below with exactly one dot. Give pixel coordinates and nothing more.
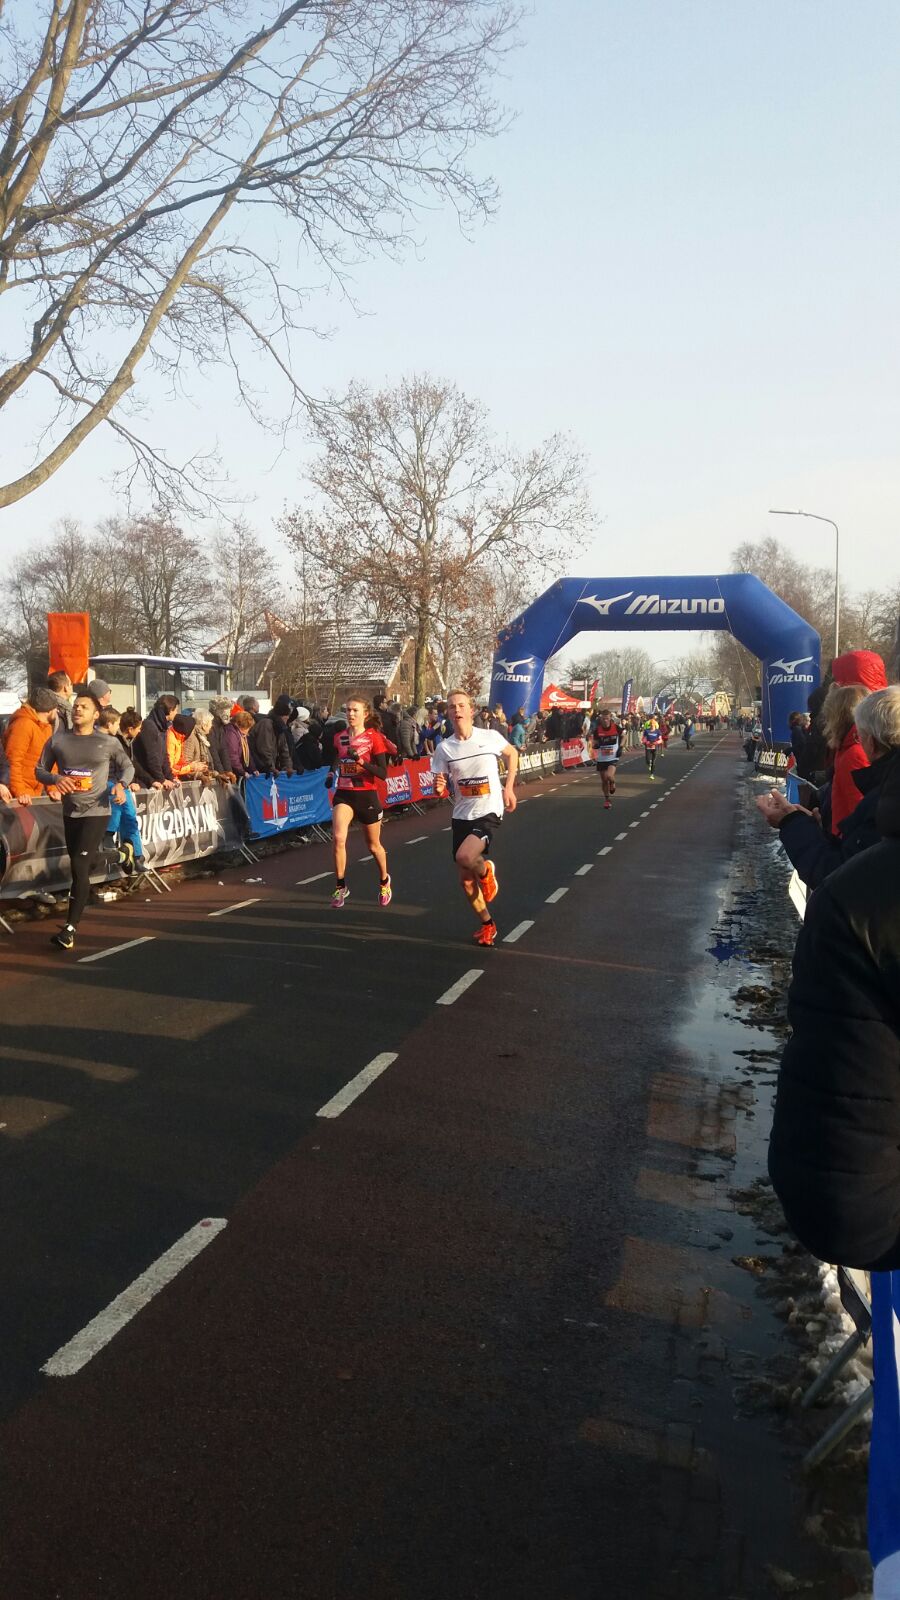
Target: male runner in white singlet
(469, 762)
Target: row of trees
(419, 517)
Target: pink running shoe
(339, 898)
(385, 894)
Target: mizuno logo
(510, 666)
(603, 605)
(790, 667)
(653, 605)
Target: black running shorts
(364, 803)
(481, 827)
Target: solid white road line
(582, 872)
(78, 1352)
(352, 1090)
(517, 932)
(238, 906)
(418, 839)
(460, 986)
(621, 836)
(314, 879)
(115, 948)
(556, 895)
(607, 850)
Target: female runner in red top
(361, 753)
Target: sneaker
(64, 939)
(140, 864)
(489, 887)
(486, 934)
(653, 777)
(385, 894)
(339, 898)
(607, 805)
(126, 857)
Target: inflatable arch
(740, 603)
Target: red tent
(553, 696)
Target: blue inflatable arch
(787, 646)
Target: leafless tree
(172, 594)
(613, 668)
(136, 142)
(245, 588)
(418, 501)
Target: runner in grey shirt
(84, 763)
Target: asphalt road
(432, 1352)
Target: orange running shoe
(486, 934)
(489, 884)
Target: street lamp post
(837, 564)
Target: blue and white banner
(884, 1457)
(626, 695)
(278, 804)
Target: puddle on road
(766, 1292)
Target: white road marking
(115, 948)
(654, 805)
(607, 850)
(634, 824)
(238, 906)
(517, 932)
(460, 986)
(314, 879)
(646, 813)
(556, 895)
(621, 836)
(446, 830)
(362, 859)
(98, 1332)
(582, 872)
(554, 789)
(418, 839)
(352, 1090)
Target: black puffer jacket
(270, 747)
(816, 853)
(834, 1156)
(150, 746)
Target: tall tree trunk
(423, 637)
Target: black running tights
(84, 836)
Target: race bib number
(83, 781)
(473, 788)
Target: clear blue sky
(694, 271)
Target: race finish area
(366, 1265)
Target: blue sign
(278, 804)
(884, 1456)
(626, 695)
(398, 787)
(736, 603)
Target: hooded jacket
(860, 666)
(24, 741)
(150, 746)
(817, 854)
(834, 1155)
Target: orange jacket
(23, 741)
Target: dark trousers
(650, 755)
(84, 836)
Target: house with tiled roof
(326, 661)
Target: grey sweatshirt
(95, 760)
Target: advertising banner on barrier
(574, 752)
(177, 825)
(409, 784)
(277, 804)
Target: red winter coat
(844, 793)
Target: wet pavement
(502, 1330)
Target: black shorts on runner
(481, 827)
(364, 803)
(607, 766)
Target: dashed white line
(556, 895)
(74, 1355)
(460, 986)
(634, 824)
(115, 948)
(239, 905)
(646, 813)
(621, 836)
(314, 879)
(607, 850)
(448, 829)
(654, 805)
(517, 932)
(418, 839)
(361, 860)
(352, 1090)
(582, 872)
